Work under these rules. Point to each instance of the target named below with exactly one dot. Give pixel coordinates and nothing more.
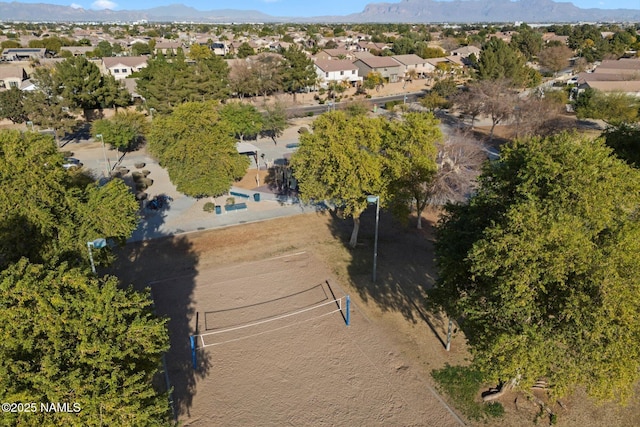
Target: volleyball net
(270, 324)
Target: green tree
(197, 147)
(614, 107)
(341, 162)
(198, 52)
(139, 48)
(274, 121)
(543, 266)
(243, 119)
(500, 61)
(624, 139)
(123, 131)
(410, 146)
(245, 50)
(373, 80)
(104, 49)
(45, 107)
(9, 44)
(78, 82)
(70, 338)
(298, 70)
(527, 41)
(45, 216)
(12, 105)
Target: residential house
(412, 62)
(78, 50)
(335, 54)
(388, 68)
(22, 53)
(466, 51)
(12, 76)
(337, 70)
(220, 48)
(122, 67)
(368, 46)
(167, 47)
(622, 75)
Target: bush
(209, 207)
(494, 409)
(145, 173)
(303, 130)
(310, 114)
(462, 384)
(137, 176)
(322, 91)
(141, 195)
(390, 104)
(230, 201)
(139, 165)
(146, 181)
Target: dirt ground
(394, 306)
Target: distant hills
(411, 11)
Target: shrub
(137, 176)
(141, 195)
(139, 165)
(494, 409)
(230, 201)
(310, 114)
(145, 173)
(303, 130)
(146, 181)
(209, 207)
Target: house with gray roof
(389, 69)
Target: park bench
(235, 207)
(235, 193)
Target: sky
(301, 8)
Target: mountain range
(410, 11)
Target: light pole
(376, 200)
(98, 244)
(104, 151)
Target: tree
(298, 72)
(373, 80)
(410, 146)
(555, 58)
(624, 139)
(78, 82)
(139, 48)
(341, 162)
(245, 50)
(79, 340)
(124, 131)
(12, 105)
(45, 107)
(242, 80)
(197, 147)
(268, 70)
(274, 121)
(614, 107)
(459, 161)
(46, 216)
(497, 100)
(500, 61)
(199, 52)
(432, 101)
(527, 41)
(543, 265)
(243, 119)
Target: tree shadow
(405, 270)
(168, 267)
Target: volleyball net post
(194, 357)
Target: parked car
(70, 163)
